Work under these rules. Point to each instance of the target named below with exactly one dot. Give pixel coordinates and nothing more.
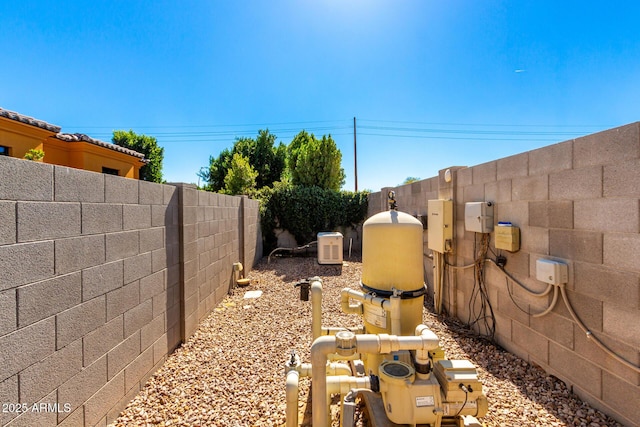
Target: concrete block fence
(577, 202)
(101, 278)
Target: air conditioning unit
(330, 248)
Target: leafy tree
(264, 157)
(147, 145)
(410, 179)
(315, 162)
(241, 177)
(218, 168)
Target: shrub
(305, 211)
(34, 154)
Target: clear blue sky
(432, 83)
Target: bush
(305, 211)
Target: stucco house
(20, 133)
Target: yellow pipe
(343, 384)
(394, 303)
(366, 343)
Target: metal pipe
(366, 343)
(292, 398)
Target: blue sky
(432, 83)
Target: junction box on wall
(478, 217)
(552, 272)
(507, 237)
(440, 235)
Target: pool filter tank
(392, 262)
(393, 362)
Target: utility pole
(355, 154)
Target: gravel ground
(231, 372)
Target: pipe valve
(345, 343)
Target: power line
(378, 128)
(487, 124)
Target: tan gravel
(231, 372)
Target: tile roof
(12, 115)
(78, 137)
(68, 137)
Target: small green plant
(34, 154)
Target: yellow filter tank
(392, 247)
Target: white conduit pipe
(342, 371)
(367, 343)
(292, 398)
(316, 306)
(364, 298)
(553, 303)
(343, 384)
(335, 330)
(346, 306)
(333, 368)
(592, 337)
(438, 280)
(391, 305)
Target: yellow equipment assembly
(393, 362)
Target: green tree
(263, 155)
(410, 179)
(315, 162)
(241, 177)
(146, 145)
(217, 171)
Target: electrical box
(330, 248)
(440, 235)
(552, 272)
(507, 237)
(478, 217)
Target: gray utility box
(330, 248)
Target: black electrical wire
(466, 397)
(485, 316)
(512, 299)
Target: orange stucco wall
(87, 156)
(20, 137)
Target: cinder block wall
(577, 202)
(101, 278)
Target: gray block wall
(577, 202)
(101, 278)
